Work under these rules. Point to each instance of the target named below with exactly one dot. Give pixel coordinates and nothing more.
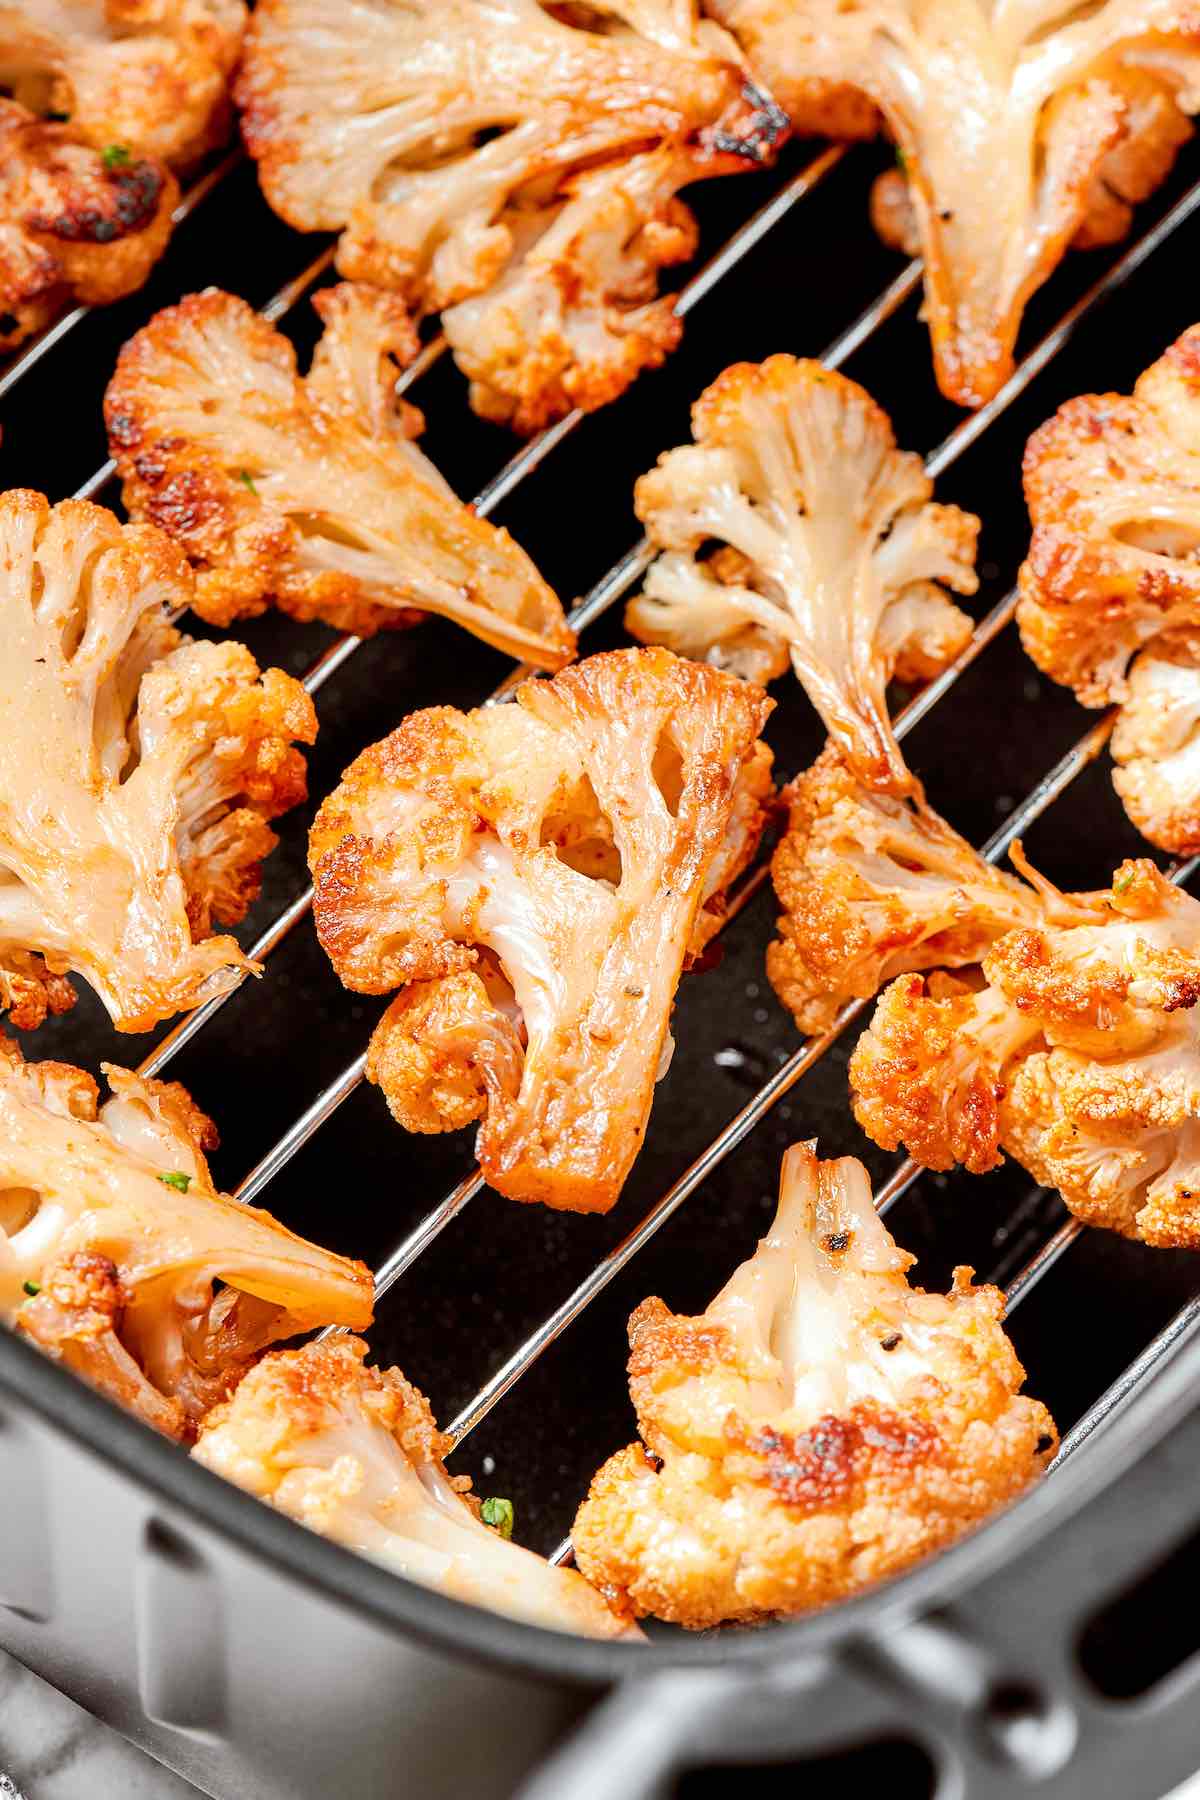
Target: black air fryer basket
(1050, 1651)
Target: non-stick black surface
(362, 1183)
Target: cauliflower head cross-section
(832, 551)
(145, 75)
(872, 885)
(73, 227)
(310, 491)
(353, 1453)
(137, 770)
(119, 1257)
(1080, 1056)
(1021, 128)
(819, 1427)
(533, 877)
(1110, 590)
(513, 164)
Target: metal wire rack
(604, 595)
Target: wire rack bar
(32, 353)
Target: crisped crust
(763, 1488)
(533, 878)
(72, 228)
(831, 550)
(1021, 130)
(872, 885)
(122, 1260)
(139, 818)
(150, 75)
(513, 165)
(309, 493)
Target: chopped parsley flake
(116, 156)
(901, 161)
(1123, 881)
(32, 1288)
(499, 1515)
(247, 480)
(177, 1179)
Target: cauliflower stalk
(512, 164)
(533, 877)
(310, 492)
(137, 771)
(1080, 1057)
(120, 1259)
(1021, 128)
(1110, 590)
(126, 73)
(353, 1453)
(872, 885)
(831, 551)
(821, 1426)
(78, 227)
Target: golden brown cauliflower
(1021, 128)
(830, 549)
(310, 492)
(513, 164)
(75, 225)
(119, 1257)
(819, 1427)
(1080, 1057)
(872, 885)
(149, 75)
(353, 1452)
(534, 877)
(137, 771)
(1110, 591)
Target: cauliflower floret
(136, 770)
(575, 837)
(872, 885)
(819, 1427)
(1113, 488)
(832, 550)
(118, 1255)
(505, 145)
(149, 73)
(75, 226)
(1016, 124)
(310, 492)
(1081, 1058)
(353, 1452)
(1156, 743)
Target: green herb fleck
(32, 1288)
(499, 1515)
(901, 162)
(177, 1179)
(116, 156)
(1123, 881)
(247, 480)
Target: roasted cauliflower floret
(872, 885)
(148, 74)
(1021, 128)
(532, 876)
(819, 1427)
(310, 492)
(513, 164)
(75, 226)
(1080, 1057)
(353, 1452)
(137, 770)
(832, 550)
(1156, 743)
(1113, 487)
(119, 1257)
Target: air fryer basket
(260, 1661)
